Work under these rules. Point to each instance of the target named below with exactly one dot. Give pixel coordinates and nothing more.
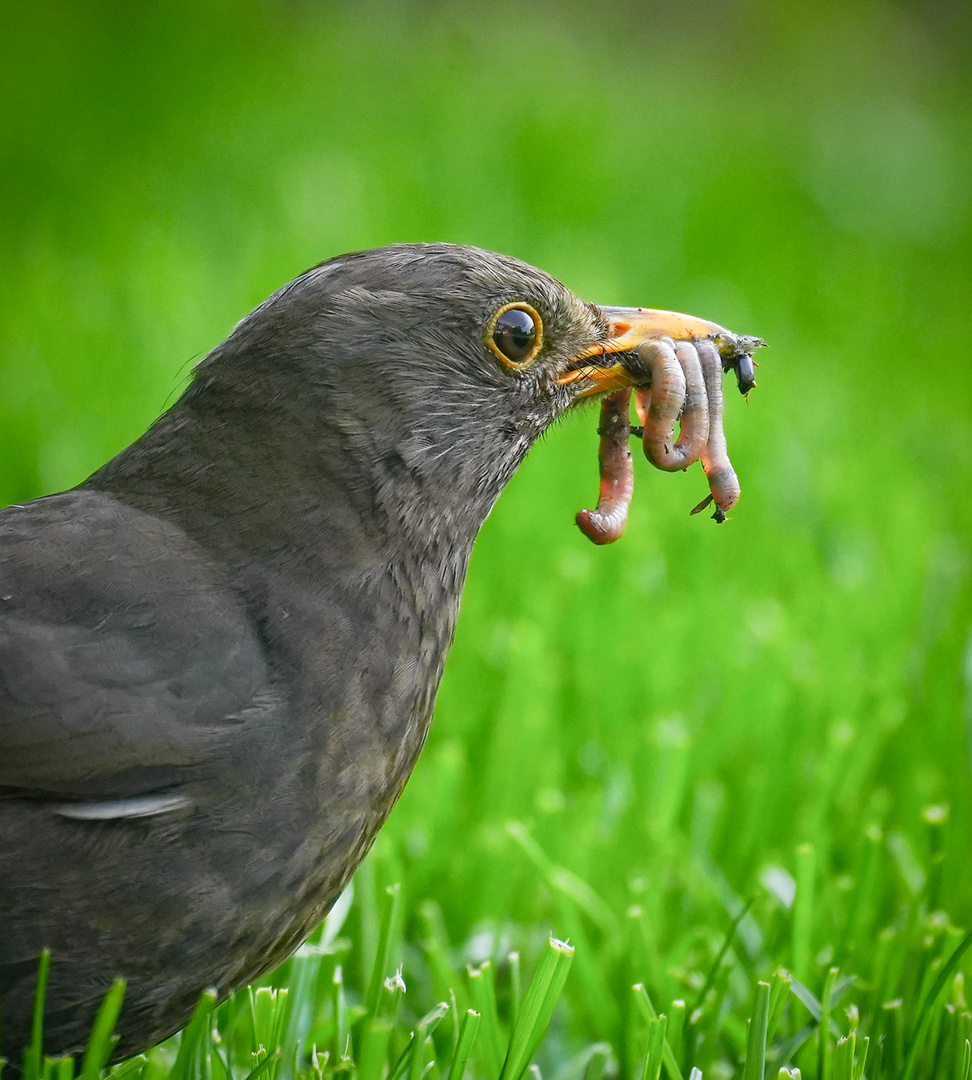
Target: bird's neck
(324, 503)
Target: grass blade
(192, 1035)
(467, 1039)
(859, 1070)
(264, 1066)
(844, 1053)
(435, 946)
(675, 1031)
(482, 990)
(720, 956)
(756, 1046)
(379, 972)
(541, 999)
(411, 1055)
(101, 1043)
(655, 1052)
(779, 994)
(33, 1055)
(516, 988)
(825, 1055)
(643, 1000)
(373, 1047)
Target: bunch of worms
(676, 382)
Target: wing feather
(125, 657)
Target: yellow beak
(630, 327)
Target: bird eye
(515, 334)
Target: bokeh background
(671, 718)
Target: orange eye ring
(515, 335)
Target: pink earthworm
(723, 483)
(694, 420)
(694, 416)
(642, 399)
(667, 399)
(606, 523)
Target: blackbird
(219, 654)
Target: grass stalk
(33, 1056)
(482, 992)
(655, 1049)
(464, 1045)
(756, 1042)
(647, 1009)
(381, 969)
(541, 999)
(192, 1035)
(101, 1043)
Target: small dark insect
(736, 351)
(745, 374)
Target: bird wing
(124, 659)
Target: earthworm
(664, 405)
(694, 421)
(642, 398)
(606, 523)
(723, 484)
(694, 416)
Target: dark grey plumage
(219, 655)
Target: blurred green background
(669, 718)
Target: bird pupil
(515, 334)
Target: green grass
(729, 765)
